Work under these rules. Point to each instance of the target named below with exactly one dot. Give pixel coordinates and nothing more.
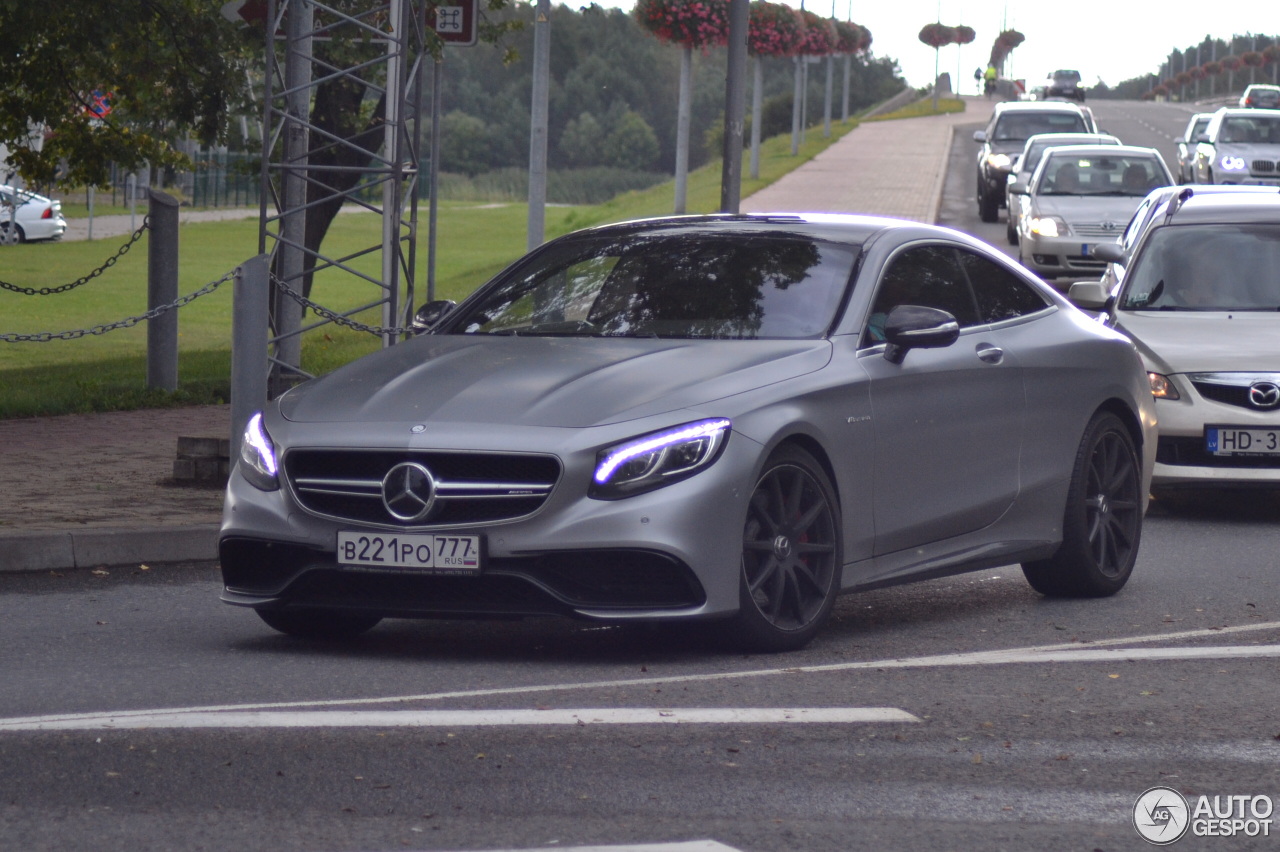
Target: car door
(947, 422)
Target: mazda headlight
(657, 459)
(1049, 226)
(1161, 387)
(258, 456)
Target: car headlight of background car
(258, 456)
(1049, 226)
(1161, 387)
(658, 459)
(1231, 163)
(999, 161)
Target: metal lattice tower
(341, 128)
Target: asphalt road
(1017, 722)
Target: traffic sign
(456, 22)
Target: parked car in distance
(1201, 300)
(1186, 166)
(1064, 83)
(1024, 165)
(1155, 205)
(1078, 197)
(1012, 123)
(32, 217)
(728, 419)
(1261, 96)
(1240, 146)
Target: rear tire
(791, 555)
(318, 623)
(1011, 233)
(1102, 525)
(988, 208)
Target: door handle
(989, 354)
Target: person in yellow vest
(989, 80)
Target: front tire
(1102, 525)
(791, 555)
(318, 623)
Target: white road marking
(1102, 650)
(473, 718)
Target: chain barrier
(46, 336)
(85, 279)
(336, 318)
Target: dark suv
(1011, 125)
(1064, 84)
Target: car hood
(1088, 208)
(1205, 342)
(546, 381)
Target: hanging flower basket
(1197, 73)
(819, 35)
(964, 35)
(865, 42)
(848, 37)
(1253, 59)
(1232, 63)
(1212, 68)
(1272, 53)
(688, 23)
(937, 35)
(773, 29)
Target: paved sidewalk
(82, 491)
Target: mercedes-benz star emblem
(1264, 394)
(409, 492)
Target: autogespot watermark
(1162, 816)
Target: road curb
(91, 548)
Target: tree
(631, 143)
(169, 69)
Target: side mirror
(1090, 295)
(1018, 187)
(1110, 252)
(427, 316)
(980, 136)
(1202, 137)
(917, 327)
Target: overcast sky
(1114, 40)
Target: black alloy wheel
(791, 554)
(1103, 522)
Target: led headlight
(1048, 226)
(657, 459)
(998, 161)
(1233, 164)
(258, 456)
(1161, 387)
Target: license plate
(1230, 441)
(441, 553)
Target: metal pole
(162, 289)
(735, 92)
(540, 118)
(826, 98)
(299, 27)
(684, 108)
(757, 109)
(433, 203)
(795, 109)
(249, 333)
(392, 188)
(844, 110)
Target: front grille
(1190, 452)
(1232, 388)
(471, 488)
(1095, 230)
(1263, 167)
(1227, 394)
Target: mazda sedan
(1201, 299)
(730, 419)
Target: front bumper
(1182, 458)
(1061, 257)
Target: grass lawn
(101, 372)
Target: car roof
(1099, 150)
(1267, 86)
(1201, 208)
(1036, 106)
(846, 228)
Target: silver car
(1201, 299)
(1080, 196)
(726, 419)
(1024, 166)
(1240, 146)
(1187, 146)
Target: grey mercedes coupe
(730, 419)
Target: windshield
(1250, 130)
(1206, 268)
(677, 285)
(1073, 174)
(1024, 125)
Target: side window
(1001, 294)
(924, 275)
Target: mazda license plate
(1233, 441)
(439, 553)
